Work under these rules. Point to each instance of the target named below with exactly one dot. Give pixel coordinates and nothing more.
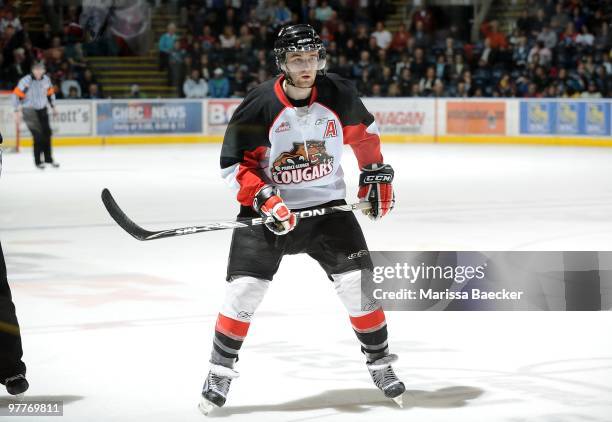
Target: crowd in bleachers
(556, 48)
(61, 51)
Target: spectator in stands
(68, 83)
(265, 12)
(195, 86)
(361, 38)
(87, 78)
(166, 45)
(405, 82)
(427, 82)
(363, 64)
(418, 66)
(568, 37)
(228, 38)
(205, 67)
(342, 67)
(523, 23)
(364, 84)
(323, 12)
(488, 54)
(548, 37)
(176, 61)
(207, 39)
(520, 55)
(376, 90)
(441, 68)
(9, 19)
(245, 39)
(73, 93)
(604, 37)
(218, 86)
(93, 93)
(496, 38)
(282, 14)
(439, 90)
(592, 92)
(400, 39)
(238, 85)
(425, 18)
(394, 90)
(382, 35)
(135, 92)
(585, 38)
(461, 91)
(421, 38)
(578, 19)
(43, 39)
(19, 67)
(560, 19)
(540, 55)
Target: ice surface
(121, 330)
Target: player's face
(302, 67)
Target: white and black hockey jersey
(298, 149)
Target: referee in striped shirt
(32, 94)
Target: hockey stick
(142, 234)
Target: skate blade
(399, 400)
(205, 406)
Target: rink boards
(579, 122)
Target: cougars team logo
(305, 162)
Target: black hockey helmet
(295, 38)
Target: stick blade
(121, 219)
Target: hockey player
(12, 368)
(281, 152)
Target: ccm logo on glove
(375, 187)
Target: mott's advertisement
(398, 116)
(566, 117)
(73, 118)
(219, 112)
(477, 118)
(149, 117)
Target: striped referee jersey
(34, 93)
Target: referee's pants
(37, 122)
(10, 338)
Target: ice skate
(216, 387)
(383, 376)
(17, 385)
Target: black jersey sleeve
(245, 144)
(358, 124)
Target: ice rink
(121, 330)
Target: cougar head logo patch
(305, 162)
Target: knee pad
(243, 295)
(348, 288)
